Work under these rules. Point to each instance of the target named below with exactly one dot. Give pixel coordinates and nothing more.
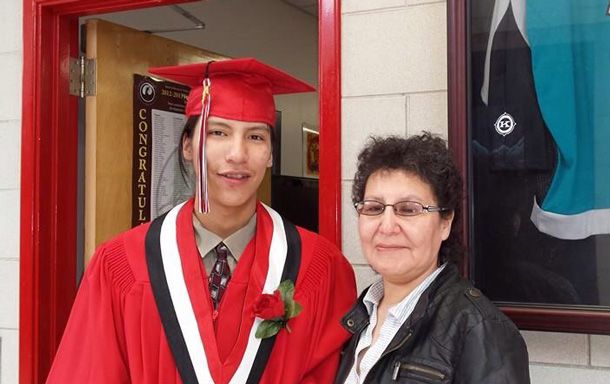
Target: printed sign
(157, 182)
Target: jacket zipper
(416, 368)
(386, 352)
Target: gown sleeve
(92, 349)
(335, 292)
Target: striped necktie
(220, 274)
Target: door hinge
(82, 76)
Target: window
(538, 157)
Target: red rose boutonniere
(275, 310)
(269, 307)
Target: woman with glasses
(420, 322)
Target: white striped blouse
(395, 317)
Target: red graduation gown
(115, 335)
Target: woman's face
(404, 250)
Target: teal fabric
(570, 44)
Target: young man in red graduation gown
(147, 310)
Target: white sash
(184, 308)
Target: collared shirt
(395, 318)
(235, 242)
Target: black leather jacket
(454, 335)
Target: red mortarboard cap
(238, 89)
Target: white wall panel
(362, 117)
(427, 112)
(10, 26)
(9, 222)
(365, 5)
(9, 356)
(399, 51)
(10, 137)
(9, 286)
(600, 351)
(557, 348)
(420, 2)
(10, 107)
(350, 241)
(548, 374)
(365, 276)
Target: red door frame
(49, 168)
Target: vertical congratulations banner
(158, 118)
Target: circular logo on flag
(505, 124)
(147, 92)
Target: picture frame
(310, 151)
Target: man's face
(237, 155)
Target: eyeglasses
(401, 208)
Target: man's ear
(270, 162)
(187, 148)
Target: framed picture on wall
(311, 151)
(533, 147)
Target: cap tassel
(203, 204)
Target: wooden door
(119, 53)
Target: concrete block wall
(10, 139)
(566, 358)
(394, 81)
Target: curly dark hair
(427, 157)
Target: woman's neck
(395, 292)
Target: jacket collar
(357, 317)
